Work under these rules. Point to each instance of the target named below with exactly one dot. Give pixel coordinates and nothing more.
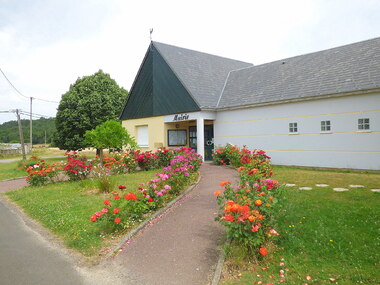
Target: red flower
(117, 220)
(229, 218)
(122, 187)
(117, 197)
(93, 218)
(104, 210)
(150, 200)
(263, 251)
(107, 202)
(255, 228)
(130, 196)
(116, 210)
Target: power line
(12, 84)
(50, 101)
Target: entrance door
(209, 140)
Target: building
(319, 109)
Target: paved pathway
(183, 246)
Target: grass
(12, 169)
(324, 234)
(65, 208)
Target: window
(363, 124)
(325, 126)
(177, 137)
(293, 128)
(142, 136)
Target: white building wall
(267, 128)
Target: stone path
(337, 189)
(182, 247)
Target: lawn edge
(141, 226)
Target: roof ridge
(225, 82)
(315, 52)
(201, 52)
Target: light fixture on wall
(177, 126)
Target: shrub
(248, 211)
(77, 167)
(41, 173)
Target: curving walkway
(184, 245)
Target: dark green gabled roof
(177, 80)
(157, 90)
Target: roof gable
(347, 68)
(157, 90)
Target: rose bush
(248, 210)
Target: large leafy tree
(90, 101)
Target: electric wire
(45, 100)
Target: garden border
(141, 226)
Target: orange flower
(252, 171)
(251, 218)
(217, 193)
(241, 168)
(261, 194)
(260, 217)
(263, 251)
(258, 202)
(223, 183)
(117, 220)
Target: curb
(219, 265)
(15, 178)
(146, 222)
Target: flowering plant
(146, 160)
(248, 210)
(41, 173)
(77, 167)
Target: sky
(45, 45)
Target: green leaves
(109, 135)
(90, 101)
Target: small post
(31, 126)
(21, 135)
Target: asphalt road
(26, 259)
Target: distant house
(320, 109)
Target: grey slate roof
(347, 68)
(202, 74)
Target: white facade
(345, 146)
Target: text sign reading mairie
(180, 117)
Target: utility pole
(31, 126)
(21, 135)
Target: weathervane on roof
(150, 33)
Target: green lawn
(13, 169)
(65, 208)
(324, 234)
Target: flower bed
(248, 211)
(129, 207)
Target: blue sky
(45, 45)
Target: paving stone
(375, 190)
(321, 185)
(305, 188)
(340, 189)
(356, 186)
(290, 185)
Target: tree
(90, 101)
(109, 135)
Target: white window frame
(142, 133)
(326, 126)
(293, 128)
